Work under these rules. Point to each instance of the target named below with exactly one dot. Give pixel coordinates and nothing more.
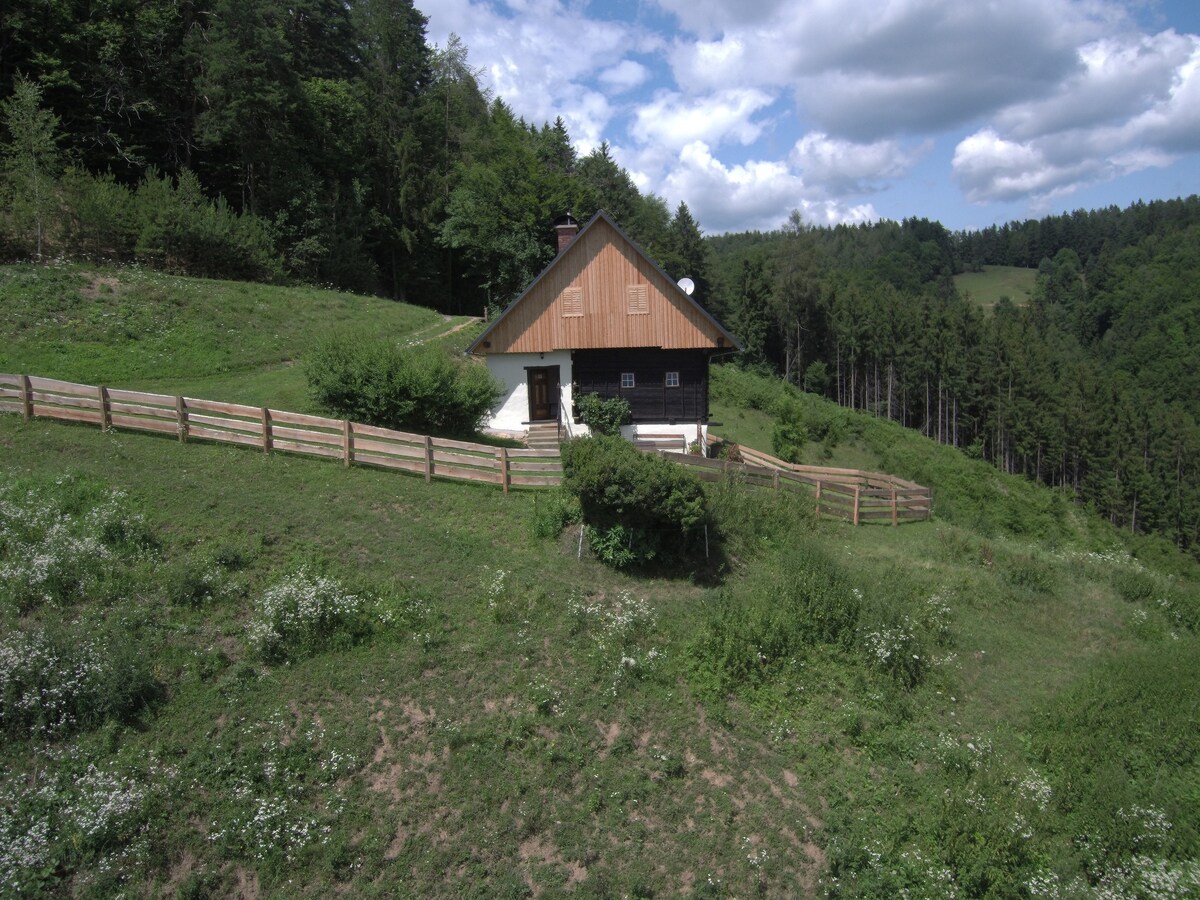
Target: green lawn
(143, 330)
(987, 287)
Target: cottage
(603, 318)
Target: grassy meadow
(987, 287)
(230, 674)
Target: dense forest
(321, 141)
(1094, 386)
(330, 143)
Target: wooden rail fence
(852, 494)
(846, 493)
(274, 429)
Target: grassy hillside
(144, 330)
(998, 702)
(987, 287)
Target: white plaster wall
(512, 413)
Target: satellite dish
(687, 285)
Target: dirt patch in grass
(96, 284)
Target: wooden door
(543, 394)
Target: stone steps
(543, 437)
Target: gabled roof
(536, 301)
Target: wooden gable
(602, 292)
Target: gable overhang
(731, 343)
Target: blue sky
(965, 111)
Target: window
(672, 379)
(639, 304)
(627, 380)
(572, 302)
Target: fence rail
(278, 430)
(851, 494)
(845, 493)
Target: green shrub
(71, 678)
(100, 216)
(182, 231)
(553, 511)
(655, 502)
(804, 600)
(605, 417)
(304, 614)
(65, 541)
(370, 379)
(789, 435)
(615, 545)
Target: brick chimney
(567, 228)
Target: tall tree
(31, 162)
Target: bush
(100, 222)
(789, 435)
(605, 417)
(656, 502)
(304, 614)
(805, 600)
(552, 512)
(56, 682)
(182, 231)
(65, 541)
(370, 379)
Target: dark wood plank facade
(652, 398)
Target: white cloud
(757, 194)
(706, 17)
(1118, 77)
(1040, 96)
(524, 61)
(841, 167)
(625, 75)
(1088, 131)
(671, 120)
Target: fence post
(775, 479)
(266, 430)
(347, 442)
(895, 516)
(503, 454)
(428, 458)
(26, 398)
(856, 490)
(181, 421)
(105, 408)
(819, 483)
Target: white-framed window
(627, 380)
(672, 379)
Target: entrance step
(543, 436)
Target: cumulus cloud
(756, 194)
(625, 75)
(671, 120)
(1136, 106)
(761, 106)
(868, 70)
(1118, 77)
(841, 167)
(520, 44)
